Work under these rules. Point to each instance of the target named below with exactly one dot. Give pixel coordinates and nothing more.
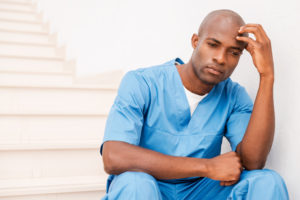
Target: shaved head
(220, 17)
(216, 48)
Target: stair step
(29, 37)
(50, 163)
(11, 14)
(22, 25)
(31, 64)
(16, 5)
(36, 145)
(56, 100)
(55, 185)
(36, 79)
(29, 128)
(30, 50)
(90, 195)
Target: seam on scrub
(207, 134)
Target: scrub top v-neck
(151, 110)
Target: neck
(191, 81)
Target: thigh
(193, 189)
(205, 189)
(133, 185)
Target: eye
(235, 53)
(212, 44)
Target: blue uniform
(151, 110)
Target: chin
(209, 80)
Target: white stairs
(51, 123)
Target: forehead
(223, 29)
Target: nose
(220, 57)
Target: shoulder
(237, 94)
(152, 74)
(231, 88)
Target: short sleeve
(126, 116)
(239, 118)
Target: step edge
(18, 11)
(56, 185)
(28, 44)
(53, 115)
(63, 73)
(25, 32)
(14, 2)
(63, 87)
(32, 57)
(38, 22)
(51, 145)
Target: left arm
(258, 138)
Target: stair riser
(31, 65)
(55, 101)
(25, 37)
(54, 163)
(46, 128)
(12, 6)
(28, 50)
(21, 26)
(61, 196)
(19, 16)
(34, 79)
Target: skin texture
(221, 38)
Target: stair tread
(13, 187)
(28, 44)
(25, 32)
(50, 144)
(65, 86)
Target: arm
(119, 157)
(123, 129)
(258, 138)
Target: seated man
(164, 132)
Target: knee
(134, 182)
(135, 177)
(266, 176)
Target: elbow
(108, 166)
(112, 158)
(108, 158)
(254, 164)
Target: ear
(194, 40)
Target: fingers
(228, 183)
(257, 30)
(249, 41)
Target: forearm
(119, 157)
(258, 138)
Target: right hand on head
(226, 167)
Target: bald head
(220, 18)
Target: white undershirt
(193, 99)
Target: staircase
(51, 122)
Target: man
(164, 132)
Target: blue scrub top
(151, 110)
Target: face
(216, 52)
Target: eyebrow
(217, 41)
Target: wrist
(267, 77)
(206, 167)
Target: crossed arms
(251, 153)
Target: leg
(253, 185)
(133, 185)
(260, 184)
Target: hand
(260, 49)
(226, 168)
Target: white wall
(125, 34)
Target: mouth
(214, 70)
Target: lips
(213, 70)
